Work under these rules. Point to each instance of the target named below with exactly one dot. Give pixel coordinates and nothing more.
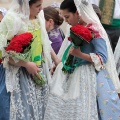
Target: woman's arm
(99, 57)
(31, 67)
(77, 52)
(100, 49)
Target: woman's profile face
(36, 8)
(70, 18)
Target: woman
(53, 22)
(88, 92)
(27, 100)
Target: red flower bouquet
(19, 48)
(78, 34)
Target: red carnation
(82, 31)
(19, 42)
(69, 39)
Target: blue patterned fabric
(108, 100)
(4, 96)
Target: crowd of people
(81, 82)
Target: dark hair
(69, 5)
(97, 10)
(52, 13)
(32, 2)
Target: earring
(78, 20)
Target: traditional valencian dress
(88, 92)
(28, 100)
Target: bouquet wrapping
(19, 48)
(78, 35)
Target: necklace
(33, 25)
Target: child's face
(49, 25)
(1, 16)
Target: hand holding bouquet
(39, 80)
(19, 48)
(78, 34)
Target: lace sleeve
(100, 55)
(97, 60)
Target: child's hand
(53, 70)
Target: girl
(53, 22)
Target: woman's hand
(75, 51)
(32, 68)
